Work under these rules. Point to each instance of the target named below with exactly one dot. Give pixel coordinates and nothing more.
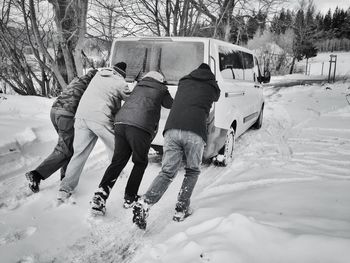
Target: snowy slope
(284, 199)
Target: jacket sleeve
(122, 93)
(217, 92)
(116, 105)
(88, 76)
(167, 100)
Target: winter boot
(98, 204)
(63, 196)
(34, 179)
(129, 201)
(140, 212)
(180, 215)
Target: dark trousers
(63, 151)
(129, 140)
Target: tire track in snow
(252, 184)
(315, 147)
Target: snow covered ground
(285, 198)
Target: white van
(236, 69)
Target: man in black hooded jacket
(185, 135)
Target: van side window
(248, 66)
(231, 63)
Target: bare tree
(105, 21)
(23, 26)
(19, 69)
(162, 17)
(70, 20)
(225, 14)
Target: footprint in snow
(17, 235)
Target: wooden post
(335, 67)
(332, 60)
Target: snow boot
(181, 215)
(98, 204)
(34, 179)
(63, 196)
(130, 201)
(140, 212)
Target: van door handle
(257, 86)
(234, 94)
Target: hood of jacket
(109, 72)
(202, 75)
(151, 83)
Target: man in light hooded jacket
(94, 119)
(135, 127)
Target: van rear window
(173, 58)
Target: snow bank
(237, 238)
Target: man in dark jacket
(135, 125)
(185, 135)
(62, 117)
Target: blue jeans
(178, 143)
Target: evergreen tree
(261, 18)
(338, 22)
(304, 35)
(327, 22)
(252, 26)
(299, 35)
(319, 22)
(275, 26)
(346, 27)
(289, 20)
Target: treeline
(330, 32)
(295, 35)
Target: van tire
(258, 124)
(225, 156)
(229, 146)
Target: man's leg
(140, 142)
(122, 153)
(84, 142)
(193, 149)
(106, 134)
(63, 151)
(64, 126)
(172, 157)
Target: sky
(324, 5)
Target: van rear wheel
(225, 156)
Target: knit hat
(155, 75)
(204, 66)
(120, 67)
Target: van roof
(199, 39)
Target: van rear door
(173, 57)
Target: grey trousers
(86, 134)
(63, 151)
